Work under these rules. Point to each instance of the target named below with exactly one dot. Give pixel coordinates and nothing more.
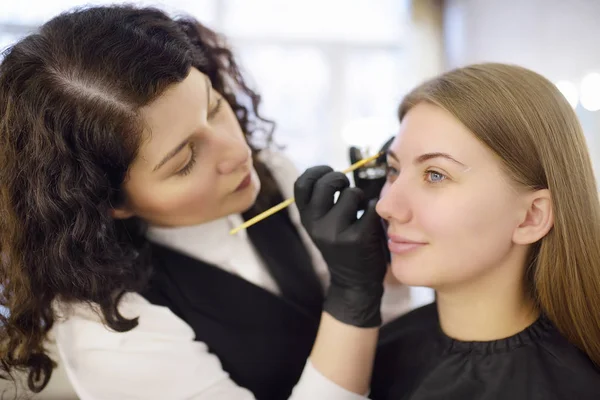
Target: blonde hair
(526, 121)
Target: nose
(235, 153)
(393, 203)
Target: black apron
(262, 340)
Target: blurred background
(332, 72)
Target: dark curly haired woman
(129, 146)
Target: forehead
(174, 115)
(427, 128)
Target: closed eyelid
(181, 159)
(215, 110)
(177, 150)
(190, 161)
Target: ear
(538, 218)
(123, 212)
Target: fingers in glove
(370, 221)
(304, 185)
(344, 212)
(324, 190)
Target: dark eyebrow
(427, 156)
(172, 153)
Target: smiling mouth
(403, 247)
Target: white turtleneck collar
(211, 242)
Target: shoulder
(76, 319)
(406, 347)
(156, 357)
(565, 368)
(411, 336)
(548, 366)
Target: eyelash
(391, 170)
(188, 167)
(430, 172)
(388, 172)
(215, 110)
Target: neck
(490, 307)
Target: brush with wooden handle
(287, 202)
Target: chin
(411, 275)
(249, 195)
(249, 202)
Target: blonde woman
(491, 200)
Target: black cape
(416, 361)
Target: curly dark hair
(69, 129)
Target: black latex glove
(371, 182)
(353, 248)
(370, 178)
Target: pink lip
(401, 245)
(244, 183)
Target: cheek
(478, 226)
(467, 235)
(461, 217)
(173, 202)
(228, 124)
(191, 194)
(482, 234)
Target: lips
(401, 245)
(244, 184)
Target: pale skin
(195, 155)
(448, 192)
(477, 226)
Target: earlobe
(538, 219)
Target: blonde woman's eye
(434, 176)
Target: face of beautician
(453, 213)
(194, 164)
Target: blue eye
(434, 176)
